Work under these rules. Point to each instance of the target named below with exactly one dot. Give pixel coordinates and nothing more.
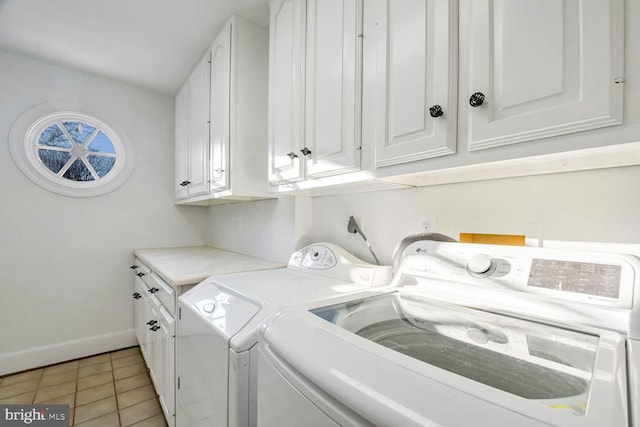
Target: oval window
(76, 151)
(71, 153)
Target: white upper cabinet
(544, 68)
(219, 133)
(226, 116)
(315, 89)
(198, 130)
(181, 148)
(463, 76)
(192, 133)
(332, 95)
(286, 74)
(415, 80)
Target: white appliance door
(209, 317)
(398, 359)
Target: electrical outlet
(426, 224)
(360, 222)
(237, 224)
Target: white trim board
(612, 156)
(65, 351)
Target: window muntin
(76, 151)
(70, 153)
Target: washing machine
(466, 335)
(219, 321)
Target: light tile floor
(110, 389)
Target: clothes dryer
(219, 321)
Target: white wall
(65, 286)
(598, 205)
(265, 228)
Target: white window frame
(24, 137)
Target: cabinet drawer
(140, 269)
(167, 322)
(141, 287)
(162, 290)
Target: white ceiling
(150, 43)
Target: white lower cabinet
(165, 360)
(142, 315)
(155, 326)
(162, 275)
(153, 340)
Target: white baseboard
(64, 351)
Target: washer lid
(551, 365)
(417, 361)
(283, 286)
(223, 310)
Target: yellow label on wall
(493, 239)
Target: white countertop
(190, 265)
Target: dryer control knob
(480, 265)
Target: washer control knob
(480, 265)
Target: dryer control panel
(315, 257)
(329, 260)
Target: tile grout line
(41, 375)
(38, 386)
(113, 377)
(88, 403)
(75, 396)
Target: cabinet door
(286, 99)
(332, 95)
(141, 312)
(153, 342)
(181, 142)
(220, 91)
(199, 128)
(165, 363)
(546, 68)
(415, 71)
